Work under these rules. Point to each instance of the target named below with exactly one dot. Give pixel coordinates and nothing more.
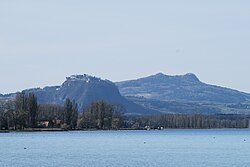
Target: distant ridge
(185, 88)
(183, 93)
(159, 93)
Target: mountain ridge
(158, 93)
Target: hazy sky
(42, 42)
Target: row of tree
(190, 121)
(70, 116)
(24, 112)
(20, 113)
(101, 115)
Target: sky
(43, 41)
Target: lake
(167, 148)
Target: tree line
(101, 115)
(25, 112)
(19, 113)
(190, 121)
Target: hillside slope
(85, 89)
(183, 93)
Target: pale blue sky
(42, 42)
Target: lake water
(168, 148)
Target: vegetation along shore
(25, 114)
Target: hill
(182, 93)
(85, 89)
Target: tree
(32, 108)
(67, 112)
(7, 117)
(2, 113)
(70, 114)
(20, 114)
(74, 116)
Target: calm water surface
(177, 148)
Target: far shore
(34, 130)
(60, 130)
(124, 129)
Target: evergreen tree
(70, 114)
(33, 108)
(74, 116)
(68, 107)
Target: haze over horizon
(42, 42)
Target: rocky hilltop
(85, 89)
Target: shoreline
(64, 130)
